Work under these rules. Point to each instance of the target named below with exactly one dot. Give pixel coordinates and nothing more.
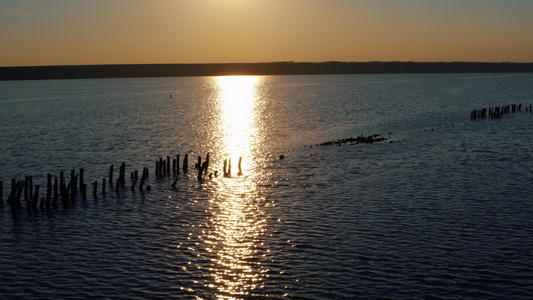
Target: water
(444, 211)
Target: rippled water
(444, 211)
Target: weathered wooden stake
(35, 198)
(26, 193)
(173, 166)
(206, 164)
(49, 190)
(95, 189)
(186, 163)
(199, 163)
(178, 164)
(56, 194)
(224, 168)
(30, 186)
(82, 181)
(111, 176)
(123, 174)
(240, 169)
(168, 166)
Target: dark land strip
(272, 68)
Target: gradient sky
(79, 32)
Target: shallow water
(443, 211)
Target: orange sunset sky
(80, 32)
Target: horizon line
(269, 62)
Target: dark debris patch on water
(371, 139)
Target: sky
(85, 32)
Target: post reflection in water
(237, 222)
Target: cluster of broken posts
(497, 112)
(58, 188)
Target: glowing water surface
(237, 221)
(444, 211)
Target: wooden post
(111, 175)
(35, 197)
(173, 166)
(206, 164)
(73, 182)
(161, 166)
(73, 187)
(123, 174)
(178, 164)
(95, 189)
(229, 167)
(56, 194)
(224, 169)
(30, 186)
(26, 193)
(81, 180)
(49, 190)
(143, 177)
(240, 169)
(186, 163)
(168, 166)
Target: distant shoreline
(272, 68)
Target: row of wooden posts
(58, 188)
(497, 112)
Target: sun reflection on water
(237, 222)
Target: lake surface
(442, 209)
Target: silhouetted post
(56, 192)
(122, 175)
(73, 180)
(35, 197)
(95, 189)
(160, 171)
(81, 180)
(73, 187)
(134, 176)
(143, 178)
(173, 166)
(240, 169)
(186, 163)
(229, 167)
(206, 164)
(200, 172)
(49, 190)
(30, 186)
(168, 166)
(26, 193)
(111, 175)
(178, 164)
(224, 170)
(84, 191)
